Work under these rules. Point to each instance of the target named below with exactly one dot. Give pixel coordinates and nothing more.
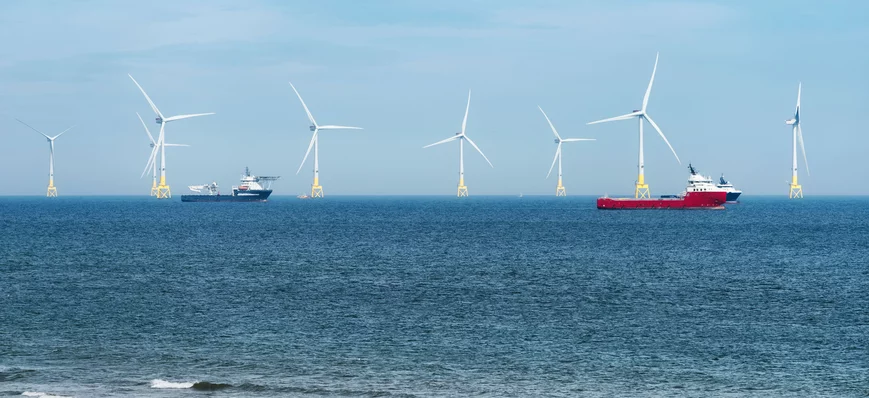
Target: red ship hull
(691, 200)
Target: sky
(726, 82)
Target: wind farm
(161, 190)
(461, 137)
(316, 188)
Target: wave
(41, 395)
(157, 383)
(206, 386)
(10, 374)
(196, 385)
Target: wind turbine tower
(559, 190)
(316, 189)
(163, 191)
(52, 190)
(153, 164)
(642, 189)
(796, 188)
(461, 137)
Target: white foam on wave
(157, 383)
(41, 395)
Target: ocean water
(432, 297)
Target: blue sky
(727, 81)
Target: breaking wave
(157, 383)
(41, 395)
(196, 385)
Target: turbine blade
(61, 133)
(557, 152)
(33, 128)
(151, 159)
(622, 117)
(151, 137)
(578, 139)
(311, 145)
(333, 127)
(799, 91)
(442, 141)
(153, 107)
(179, 117)
(310, 116)
(803, 147)
(550, 125)
(478, 150)
(652, 122)
(468, 107)
(652, 80)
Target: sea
(496, 296)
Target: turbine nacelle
(159, 120)
(312, 127)
(791, 121)
(557, 141)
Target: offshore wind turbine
(559, 190)
(316, 189)
(642, 189)
(797, 189)
(461, 137)
(153, 163)
(163, 191)
(52, 190)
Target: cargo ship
(249, 190)
(732, 193)
(701, 193)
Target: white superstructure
(700, 183)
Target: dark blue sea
(432, 297)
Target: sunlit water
(491, 296)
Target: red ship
(701, 193)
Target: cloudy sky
(726, 82)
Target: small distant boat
(520, 194)
(303, 196)
(732, 193)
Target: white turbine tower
(316, 189)
(52, 191)
(163, 191)
(642, 190)
(796, 188)
(559, 190)
(461, 137)
(153, 164)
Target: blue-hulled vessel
(250, 189)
